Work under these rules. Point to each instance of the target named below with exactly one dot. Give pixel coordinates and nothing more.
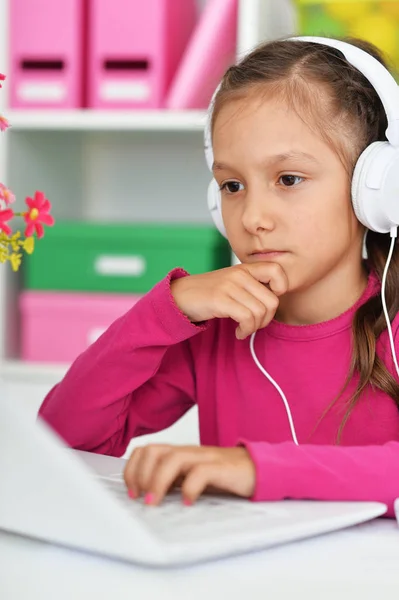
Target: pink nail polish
(149, 498)
(187, 502)
(132, 494)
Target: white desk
(361, 562)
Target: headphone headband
(379, 77)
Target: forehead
(302, 116)
(264, 121)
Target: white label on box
(94, 334)
(120, 265)
(125, 90)
(37, 92)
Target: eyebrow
(273, 160)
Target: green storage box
(376, 21)
(126, 258)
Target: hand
(237, 292)
(155, 469)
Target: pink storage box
(134, 49)
(57, 327)
(46, 52)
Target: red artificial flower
(38, 213)
(6, 215)
(2, 78)
(4, 124)
(6, 194)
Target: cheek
(232, 216)
(325, 221)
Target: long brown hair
(330, 94)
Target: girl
(288, 125)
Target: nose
(258, 214)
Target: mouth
(264, 254)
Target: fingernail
(187, 502)
(132, 494)
(149, 499)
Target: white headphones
(375, 193)
(375, 185)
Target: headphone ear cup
(215, 206)
(359, 189)
(374, 187)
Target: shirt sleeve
(335, 473)
(137, 378)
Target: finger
(148, 464)
(240, 313)
(270, 300)
(140, 473)
(269, 273)
(129, 473)
(258, 311)
(266, 301)
(174, 466)
(199, 478)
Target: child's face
(285, 189)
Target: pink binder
(211, 50)
(46, 53)
(134, 49)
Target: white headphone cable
(278, 388)
(394, 233)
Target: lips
(267, 254)
(267, 251)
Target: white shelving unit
(107, 165)
(101, 120)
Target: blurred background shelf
(106, 166)
(107, 120)
(32, 372)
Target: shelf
(19, 370)
(110, 164)
(110, 120)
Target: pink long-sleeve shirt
(153, 364)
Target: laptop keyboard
(209, 516)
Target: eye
(232, 187)
(290, 180)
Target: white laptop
(79, 500)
